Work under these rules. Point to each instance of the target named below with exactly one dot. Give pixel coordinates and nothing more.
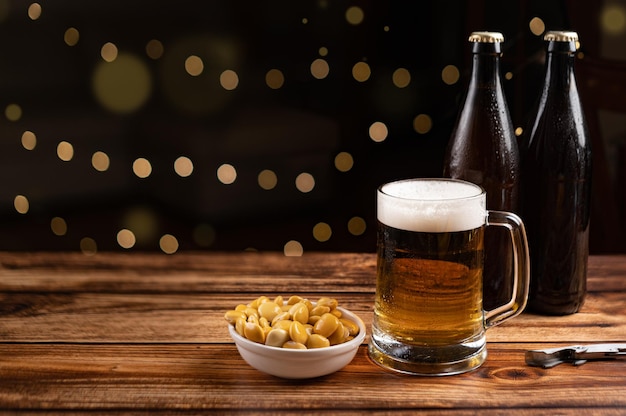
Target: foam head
(431, 205)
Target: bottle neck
(485, 65)
(560, 66)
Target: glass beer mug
(428, 313)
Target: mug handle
(521, 268)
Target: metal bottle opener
(575, 354)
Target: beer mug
(428, 314)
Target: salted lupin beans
(296, 323)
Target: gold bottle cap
(486, 37)
(561, 36)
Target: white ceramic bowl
(294, 364)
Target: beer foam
(431, 205)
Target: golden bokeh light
(126, 239)
(71, 36)
(274, 79)
(183, 166)
(508, 76)
(204, 235)
(537, 26)
(34, 11)
(322, 232)
(519, 131)
(344, 161)
(361, 71)
(21, 204)
(194, 65)
(378, 131)
(356, 226)
(613, 19)
(109, 52)
(293, 249)
(229, 80)
(29, 140)
(227, 174)
(355, 15)
(267, 179)
(323, 51)
(88, 246)
(58, 226)
(100, 161)
(154, 49)
(401, 77)
(450, 74)
(143, 222)
(65, 151)
(13, 112)
(122, 86)
(422, 123)
(320, 68)
(142, 168)
(305, 20)
(305, 182)
(168, 244)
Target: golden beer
(428, 311)
(429, 285)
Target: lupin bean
(296, 323)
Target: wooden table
(145, 332)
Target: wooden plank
(137, 318)
(221, 272)
(186, 377)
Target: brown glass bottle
(483, 149)
(556, 161)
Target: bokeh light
(126, 239)
(21, 204)
(122, 86)
(378, 131)
(194, 65)
(143, 222)
(29, 140)
(58, 226)
(401, 77)
(305, 182)
(355, 15)
(71, 36)
(519, 131)
(267, 179)
(450, 74)
(357, 226)
(422, 123)
(344, 161)
(34, 11)
(109, 52)
(613, 19)
(65, 151)
(293, 248)
(168, 244)
(361, 71)
(88, 246)
(183, 166)
(100, 161)
(320, 68)
(227, 174)
(229, 80)
(537, 26)
(274, 79)
(322, 232)
(13, 112)
(154, 49)
(142, 168)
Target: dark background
(297, 128)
